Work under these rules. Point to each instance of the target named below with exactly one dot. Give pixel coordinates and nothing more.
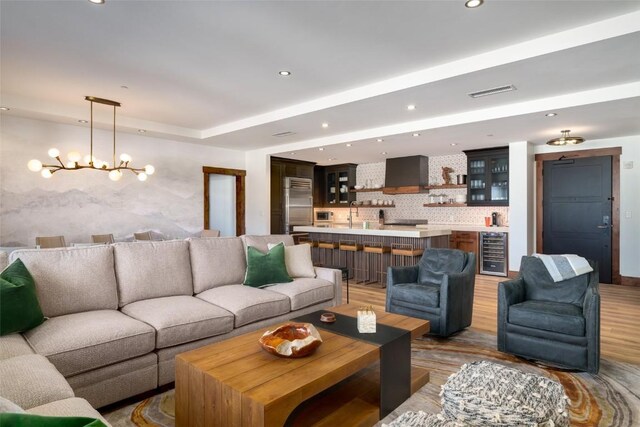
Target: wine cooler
(493, 254)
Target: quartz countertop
(464, 227)
(388, 230)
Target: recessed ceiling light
(142, 131)
(321, 149)
(411, 107)
(83, 121)
(284, 73)
(416, 134)
(293, 152)
(332, 159)
(473, 3)
(325, 125)
(551, 114)
(97, 1)
(348, 145)
(453, 144)
(4, 109)
(383, 153)
(379, 139)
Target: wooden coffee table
(236, 383)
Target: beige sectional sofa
(118, 315)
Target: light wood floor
(619, 314)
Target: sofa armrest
(334, 276)
(591, 313)
(509, 293)
(456, 298)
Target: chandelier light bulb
(149, 170)
(53, 152)
(125, 157)
(115, 175)
(142, 176)
(34, 165)
(46, 173)
(74, 156)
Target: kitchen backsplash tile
(409, 206)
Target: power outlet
(628, 164)
(627, 214)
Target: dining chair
(145, 235)
(102, 238)
(210, 233)
(44, 242)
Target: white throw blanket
(563, 267)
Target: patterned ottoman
(484, 393)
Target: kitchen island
(368, 252)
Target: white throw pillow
(298, 260)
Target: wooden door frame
(615, 153)
(240, 195)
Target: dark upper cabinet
(334, 189)
(280, 169)
(488, 177)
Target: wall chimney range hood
(406, 175)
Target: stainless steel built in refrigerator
(298, 202)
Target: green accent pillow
(266, 269)
(19, 306)
(30, 420)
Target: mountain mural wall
(81, 203)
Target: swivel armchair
(554, 322)
(439, 289)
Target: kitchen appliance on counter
(495, 217)
(323, 216)
(493, 253)
(298, 202)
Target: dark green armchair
(439, 289)
(554, 322)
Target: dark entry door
(577, 210)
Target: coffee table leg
(395, 374)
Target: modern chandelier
(566, 139)
(74, 157)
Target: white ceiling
(206, 71)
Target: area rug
(611, 398)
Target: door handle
(603, 226)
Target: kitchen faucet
(351, 205)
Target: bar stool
(350, 246)
(404, 254)
(377, 250)
(326, 249)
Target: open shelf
(445, 186)
(445, 205)
(365, 190)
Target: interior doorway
(224, 204)
(578, 207)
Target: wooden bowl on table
(291, 340)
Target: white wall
(521, 195)
(629, 196)
(258, 192)
(80, 203)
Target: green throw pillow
(266, 269)
(29, 420)
(19, 307)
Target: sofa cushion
(80, 342)
(266, 268)
(72, 280)
(19, 307)
(435, 263)
(71, 407)
(247, 304)
(540, 285)
(304, 292)
(216, 262)
(551, 316)
(422, 294)
(148, 270)
(261, 242)
(298, 260)
(8, 406)
(31, 380)
(14, 345)
(180, 319)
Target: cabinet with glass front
(488, 177)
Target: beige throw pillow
(298, 260)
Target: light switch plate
(628, 164)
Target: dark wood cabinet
(466, 241)
(334, 189)
(280, 169)
(488, 177)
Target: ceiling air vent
(492, 91)
(283, 134)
